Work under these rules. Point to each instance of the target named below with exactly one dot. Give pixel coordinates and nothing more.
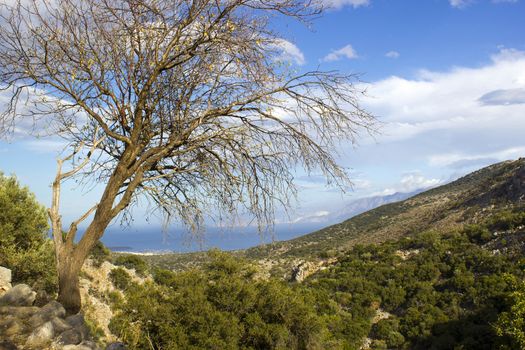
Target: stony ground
(25, 326)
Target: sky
(446, 79)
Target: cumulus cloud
(338, 4)
(392, 54)
(344, 52)
(451, 100)
(411, 182)
(289, 51)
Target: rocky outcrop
(24, 326)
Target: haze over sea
(152, 239)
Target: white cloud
(338, 4)
(411, 182)
(318, 216)
(455, 158)
(451, 100)
(344, 52)
(289, 51)
(459, 3)
(392, 54)
(504, 97)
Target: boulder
(41, 336)
(116, 346)
(60, 325)
(7, 345)
(5, 280)
(77, 321)
(19, 295)
(87, 345)
(5, 275)
(21, 312)
(70, 337)
(48, 312)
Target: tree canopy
(184, 102)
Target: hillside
(465, 200)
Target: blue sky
(446, 79)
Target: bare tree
(183, 101)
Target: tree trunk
(68, 289)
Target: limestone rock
(86, 345)
(5, 275)
(41, 336)
(21, 312)
(70, 337)
(7, 345)
(5, 280)
(19, 295)
(60, 325)
(48, 312)
(116, 346)
(75, 320)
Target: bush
(120, 278)
(24, 245)
(219, 307)
(132, 262)
(99, 254)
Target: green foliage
(219, 307)
(24, 246)
(439, 291)
(120, 278)
(507, 220)
(512, 322)
(131, 261)
(99, 254)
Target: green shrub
(219, 307)
(132, 262)
(24, 245)
(99, 254)
(120, 278)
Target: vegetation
(24, 246)
(432, 290)
(132, 262)
(223, 306)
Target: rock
(19, 295)
(60, 325)
(48, 312)
(90, 345)
(5, 275)
(7, 345)
(21, 312)
(87, 345)
(76, 320)
(14, 328)
(5, 280)
(116, 346)
(70, 337)
(41, 336)
(76, 347)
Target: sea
(156, 240)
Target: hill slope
(465, 200)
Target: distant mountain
(468, 199)
(362, 205)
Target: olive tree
(184, 102)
